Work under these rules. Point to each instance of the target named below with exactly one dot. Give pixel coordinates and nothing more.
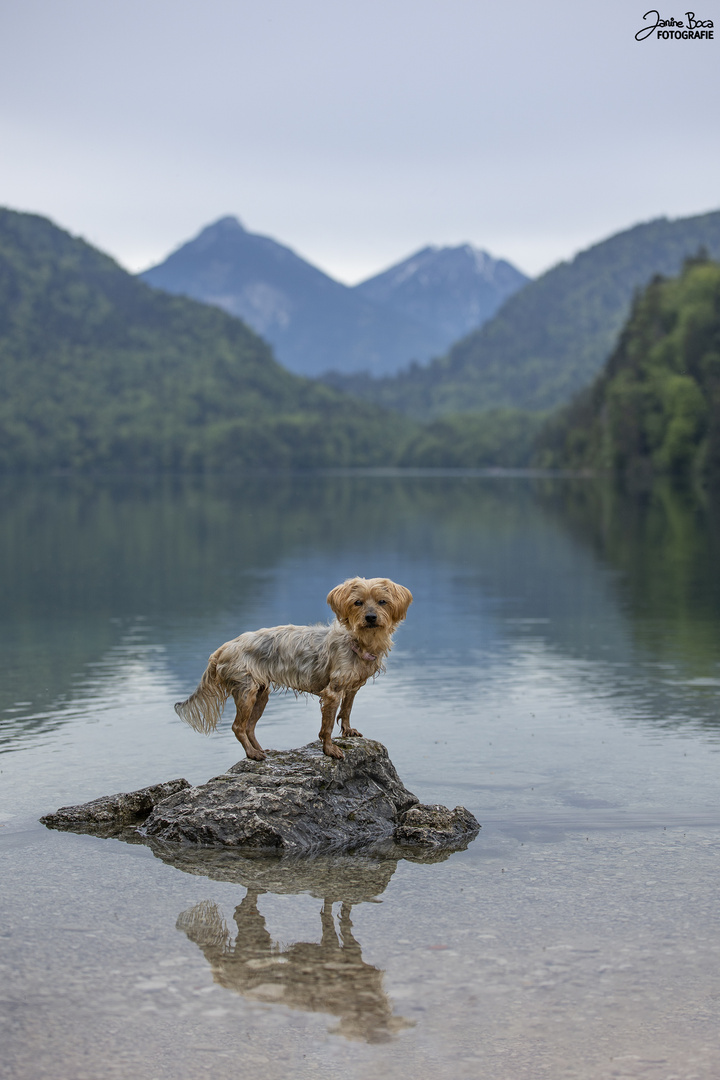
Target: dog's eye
(358, 603)
(382, 602)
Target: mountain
(411, 312)
(454, 289)
(100, 371)
(552, 337)
(655, 408)
(314, 324)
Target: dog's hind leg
(258, 709)
(250, 699)
(344, 715)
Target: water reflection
(664, 543)
(98, 577)
(329, 976)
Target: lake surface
(558, 674)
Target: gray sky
(356, 132)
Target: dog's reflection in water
(330, 976)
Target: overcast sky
(356, 132)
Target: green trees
(100, 371)
(498, 437)
(655, 409)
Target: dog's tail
(204, 707)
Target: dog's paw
(333, 751)
(352, 733)
(256, 755)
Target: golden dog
(331, 661)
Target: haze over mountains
(411, 312)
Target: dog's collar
(363, 655)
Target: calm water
(558, 674)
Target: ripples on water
(558, 674)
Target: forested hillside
(98, 370)
(551, 338)
(655, 409)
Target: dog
(330, 661)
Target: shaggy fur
(332, 662)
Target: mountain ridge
(314, 323)
(454, 288)
(551, 338)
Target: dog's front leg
(344, 715)
(329, 702)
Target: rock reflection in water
(328, 976)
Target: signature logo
(689, 27)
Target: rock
(436, 827)
(113, 813)
(295, 803)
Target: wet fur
(331, 662)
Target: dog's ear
(339, 597)
(400, 598)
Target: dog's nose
(370, 618)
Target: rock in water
(113, 813)
(296, 802)
(435, 827)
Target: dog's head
(365, 604)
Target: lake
(558, 674)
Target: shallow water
(558, 674)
